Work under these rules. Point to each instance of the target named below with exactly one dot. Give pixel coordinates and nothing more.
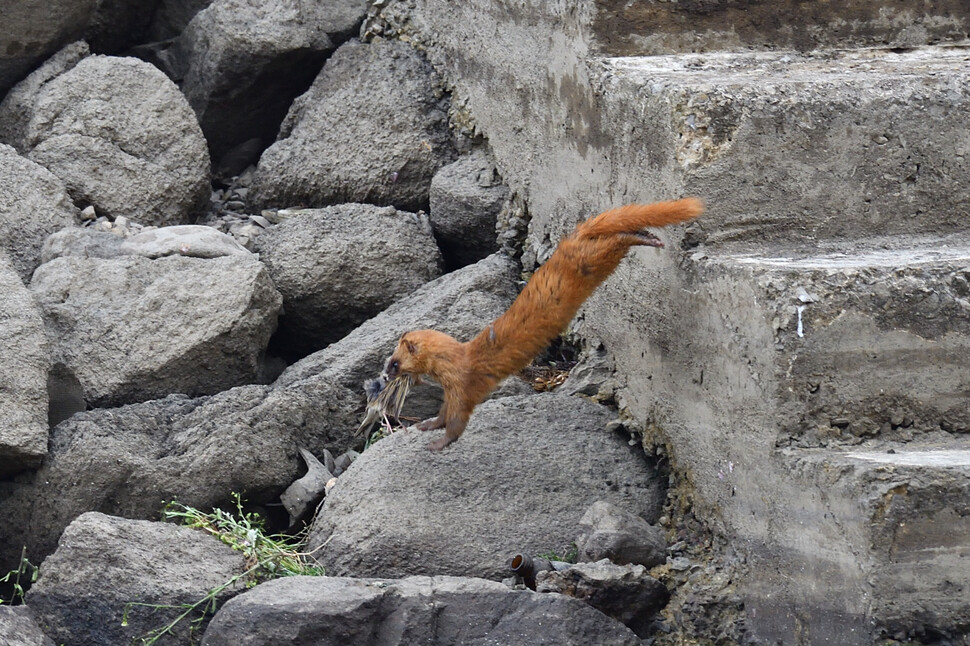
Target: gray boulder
(24, 360)
(246, 60)
(625, 592)
(31, 31)
(437, 611)
(120, 135)
(18, 627)
(466, 198)
(103, 564)
(128, 460)
(17, 107)
(615, 534)
(339, 266)
(372, 128)
(33, 205)
(132, 329)
(516, 482)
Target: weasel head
(417, 351)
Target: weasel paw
(428, 424)
(440, 443)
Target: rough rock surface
(120, 135)
(132, 328)
(625, 592)
(247, 60)
(438, 611)
(24, 360)
(18, 627)
(18, 104)
(339, 266)
(372, 128)
(466, 198)
(127, 461)
(609, 532)
(131, 561)
(32, 31)
(33, 205)
(516, 482)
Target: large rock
(133, 562)
(372, 128)
(128, 460)
(517, 481)
(33, 205)
(246, 60)
(625, 592)
(608, 532)
(18, 627)
(18, 104)
(120, 135)
(466, 198)
(24, 361)
(32, 31)
(132, 328)
(438, 611)
(339, 266)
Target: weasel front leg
(453, 430)
(431, 424)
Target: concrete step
(780, 376)
(838, 145)
(651, 28)
(874, 544)
(897, 523)
(849, 341)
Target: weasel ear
(411, 347)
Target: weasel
(469, 371)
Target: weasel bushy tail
(634, 217)
(562, 284)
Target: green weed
(26, 573)
(268, 556)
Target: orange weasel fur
(469, 371)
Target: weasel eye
(395, 365)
